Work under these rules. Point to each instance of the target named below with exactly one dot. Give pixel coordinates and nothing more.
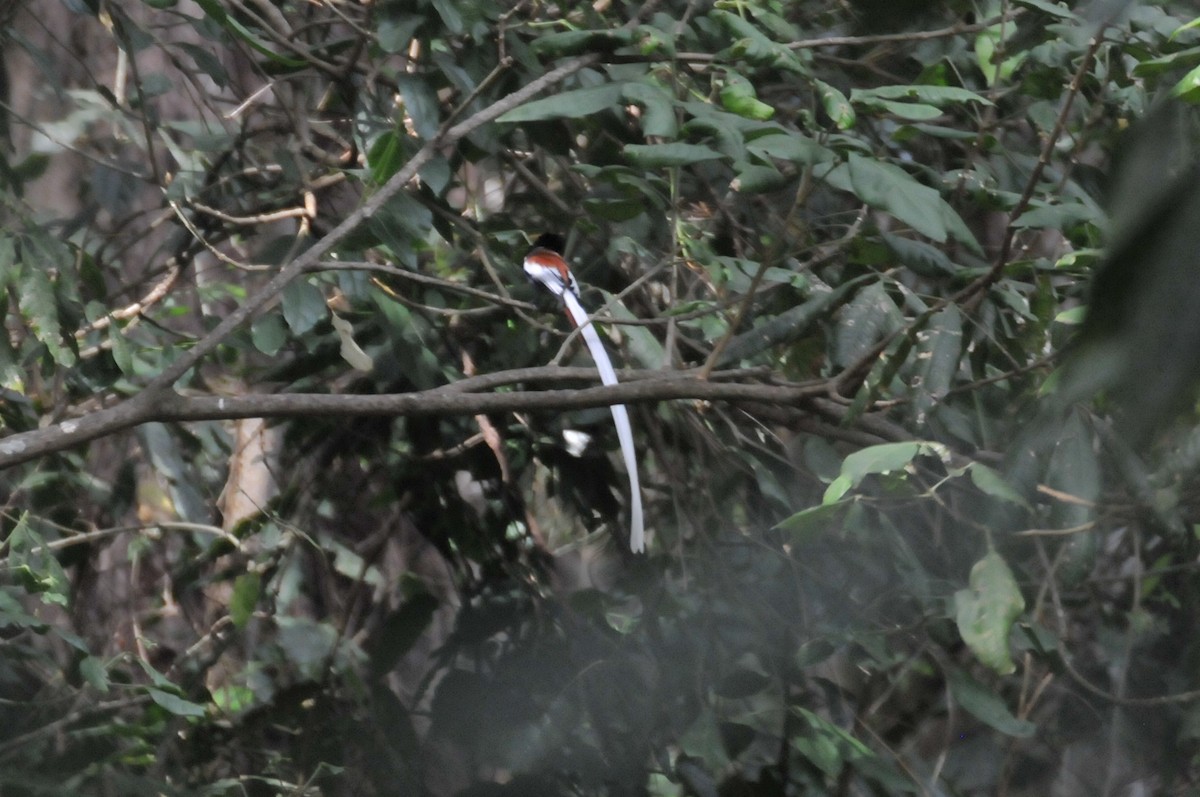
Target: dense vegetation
(305, 490)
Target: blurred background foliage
(966, 565)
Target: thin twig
(975, 289)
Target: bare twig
(903, 38)
(254, 219)
(834, 41)
(137, 308)
(423, 279)
(976, 288)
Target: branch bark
(460, 398)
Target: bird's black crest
(552, 241)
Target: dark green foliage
(954, 551)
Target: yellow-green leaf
(985, 611)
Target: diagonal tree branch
(312, 256)
(159, 392)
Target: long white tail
(637, 533)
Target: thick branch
(456, 399)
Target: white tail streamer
(637, 533)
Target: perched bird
(545, 265)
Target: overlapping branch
(461, 398)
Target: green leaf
(652, 41)
(826, 745)
(619, 209)
(451, 16)
(303, 306)
(879, 459)
(8, 262)
(836, 105)
(987, 43)
(869, 317)
(725, 129)
(92, 670)
(1074, 469)
(1059, 216)
(656, 156)
(568, 105)
(574, 42)
(404, 222)
(246, 590)
(1188, 86)
(992, 483)
(909, 132)
(306, 644)
(1072, 315)
(394, 31)
(749, 107)
(938, 350)
(790, 146)
(739, 97)
(156, 84)
(12, 613)
(420, 104)
(1172, 62)
(790, 325)
(175, 704)
(814, 520)
(985, 705)
(436, 174)
(386, 156)
(641, 344)
(923, 258)
(888, 187)
(35, 566)
(929, 95)
(837, 490)
(33, 581)
(122, 352)
(985, 611)
(752, 45)
(916, 111)
(268, 333)
(38, 303)
(755, 179)
(883, 458)
(658, 109)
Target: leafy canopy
(903, 293)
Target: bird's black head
(552, 241)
